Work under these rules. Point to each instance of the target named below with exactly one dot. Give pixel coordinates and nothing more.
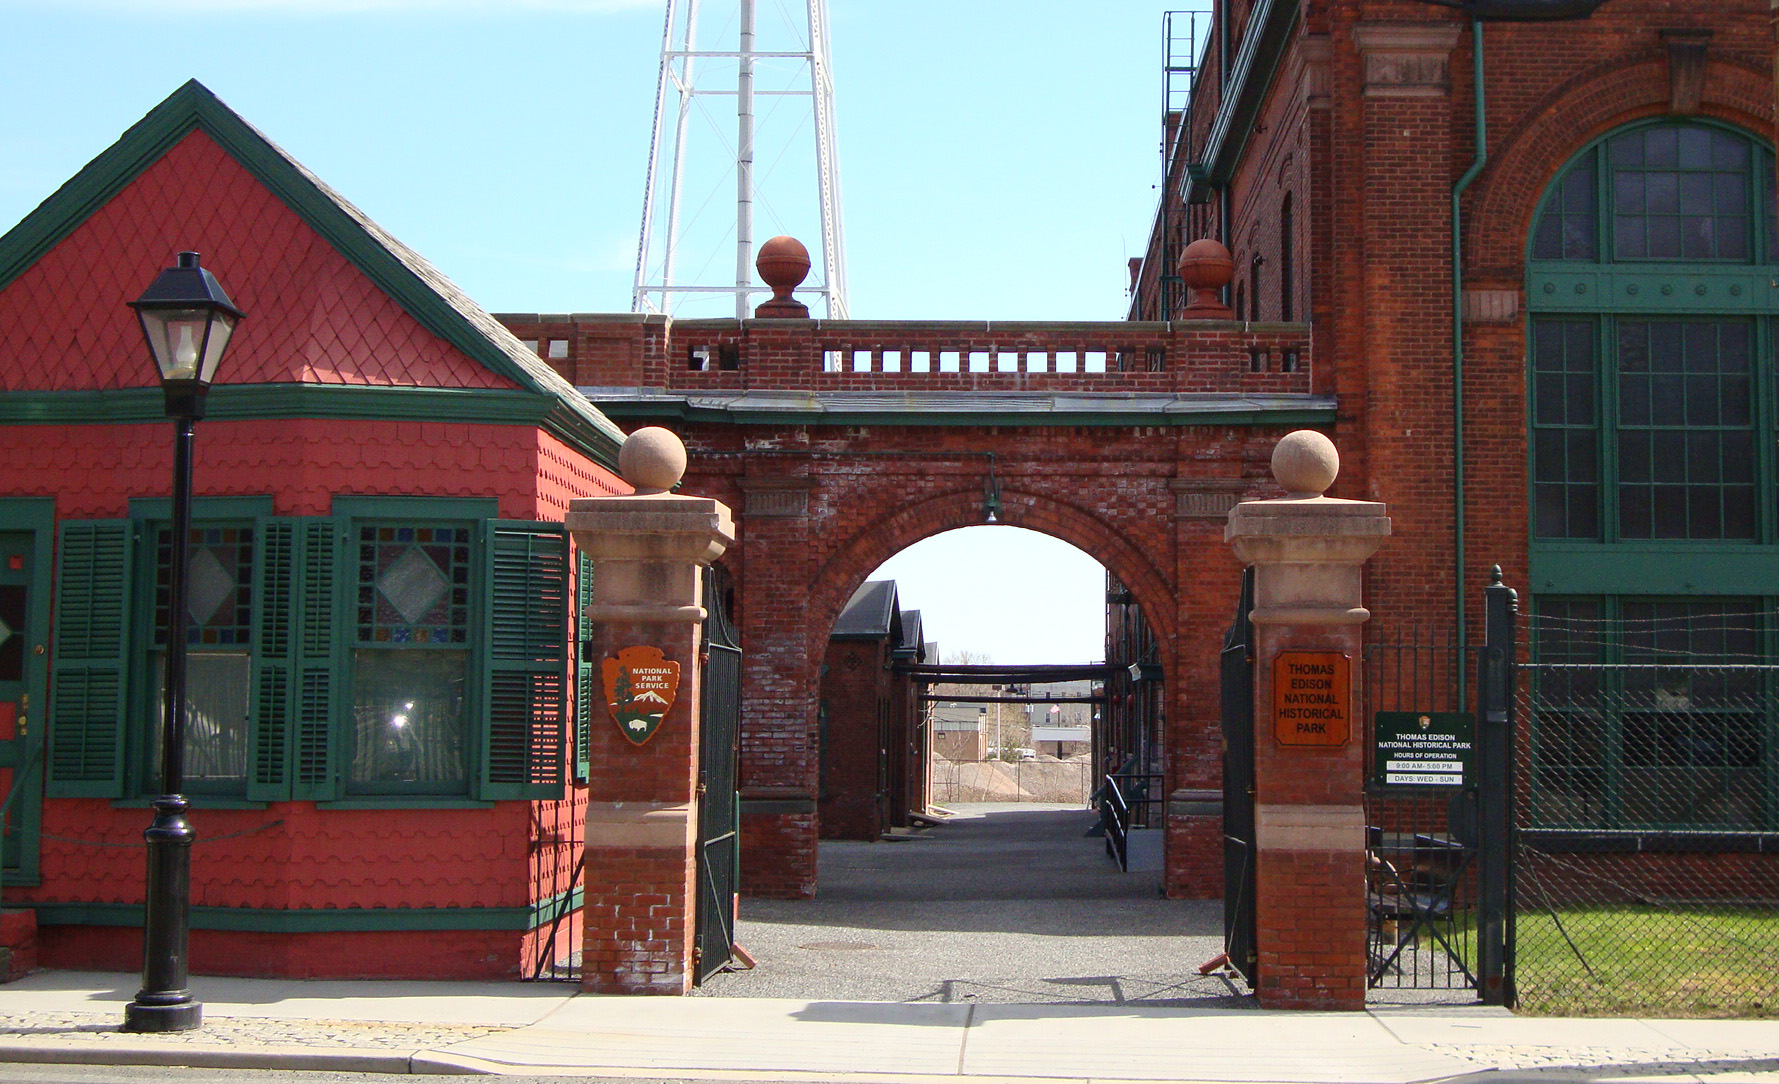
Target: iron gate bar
(719, 804)
(1429, 830)
(1424, 907)
(1236, 678)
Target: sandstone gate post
(1308, 551)
(649, 551)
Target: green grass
(1707, 961)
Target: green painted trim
(384, 260)
(1684, 568)
(1251, 76)
(430, 508)
(202, 508)
(301, 920)
(332, 401)
(1687, 289)
(562, 903)
(403, 801)
(1295, 416)
(199, 802)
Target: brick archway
(878, 541)
(839, 443)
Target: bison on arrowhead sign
(639, 689)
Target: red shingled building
(379, 488)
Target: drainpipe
(1459, 556)
(1223, 224)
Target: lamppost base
(183, 1016)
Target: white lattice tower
(681, 258)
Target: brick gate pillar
(648, 550)
(1307, 551)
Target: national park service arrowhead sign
(639, 689)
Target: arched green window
(1650, 289)
(1654, 473)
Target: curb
(215, 1057)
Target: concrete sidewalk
(512, 1028)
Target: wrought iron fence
(1648, 810)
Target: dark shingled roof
(871, 612)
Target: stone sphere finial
(783, 264)
(1305, 462)
(652, 459)
(1206, 267)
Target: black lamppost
(187, 320)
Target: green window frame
(1651, 401)
(303, 674)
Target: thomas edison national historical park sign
(1424, 748)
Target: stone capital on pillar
(648, 551)
(1308, 553)
(1307, 549)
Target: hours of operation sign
(1312, 698)
(1424, 748)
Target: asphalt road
(1005, 903)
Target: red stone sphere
(1206, 265)
(783, 263)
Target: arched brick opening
(855, 559)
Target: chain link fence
(1647, 873)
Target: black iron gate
(719, 803)
(1239, 943)
(1437, 855)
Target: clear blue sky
(998, 159)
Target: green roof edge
(392, 266)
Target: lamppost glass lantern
(187, 320)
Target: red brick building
(378, 660)
(1537, 260)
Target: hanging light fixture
(991, 494)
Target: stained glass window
(219, 635)
(411, 667)
(413, 585)
(218, 586)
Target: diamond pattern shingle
(312, 316)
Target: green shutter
(92, 627)
(268, 762)
(525, 659)
(316, 665)
(586, 671)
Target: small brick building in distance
(378, 591)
